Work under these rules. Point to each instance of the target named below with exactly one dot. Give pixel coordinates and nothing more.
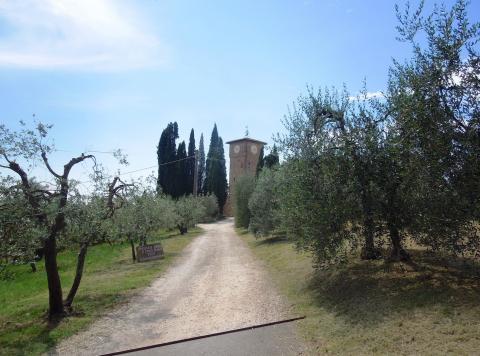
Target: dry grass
(368, 307)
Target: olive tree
(210, 203)
(46, 204)
(143, 213)
(189, 211)
(89, 220)
(19, 235)
(434, 98)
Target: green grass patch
(110, 278)
(369, 307)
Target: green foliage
(272, 159)
(167, 152)
(243, 191)
(268, 161)
(216, 171)
(142, 214)
(434, 97)
(176, 166)
(210, 204)
(189, 211)
(323, 180)
(182, 172)
(405, 164)
(201, 166)
(20, 236)
(190, 164)
(263, 204)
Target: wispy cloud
(368, 95)
(72, 34)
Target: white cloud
(76, 34)
(368, 95)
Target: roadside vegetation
(68, 247)
(363, 172)
(110, 279)
(370, 222)
(369, 307)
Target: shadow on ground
(272, 240)
(367, 292)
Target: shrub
(263, 204)
(189, 211)
(243, 190)
(210, 203)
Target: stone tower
(244, 154)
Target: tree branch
(45, 160)
(73, 162)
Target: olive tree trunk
(78, 275)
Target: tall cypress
(211, 155)
(201, 165)
(190, 163)
(181, 177)
(166, 152)
(216, 173)
(221, 189)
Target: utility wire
(136, 170)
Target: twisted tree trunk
(78, 275)
(132, 245)
(55, 298)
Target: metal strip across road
(203, 336)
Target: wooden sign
(149, 252)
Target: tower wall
(244, 155)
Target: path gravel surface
(215, 285)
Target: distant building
(244, 154)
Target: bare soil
(216, 285)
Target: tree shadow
(368, 292)
(278, 239)
(40, 328)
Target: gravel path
(216, 285)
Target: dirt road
(216, 285)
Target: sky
(112, 74)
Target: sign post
(149, 252)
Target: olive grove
(360, 170)
(39, 218)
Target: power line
(140, 169)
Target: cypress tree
(212, 153)
(166, 152)
(201, 165)
(260, 162)
(221, 190)
(181, 176)
(190, 163)
(272, 158)
(216, 173)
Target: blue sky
(112, 74)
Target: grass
(369, 307)
(109, 279)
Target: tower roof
(246, 139)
